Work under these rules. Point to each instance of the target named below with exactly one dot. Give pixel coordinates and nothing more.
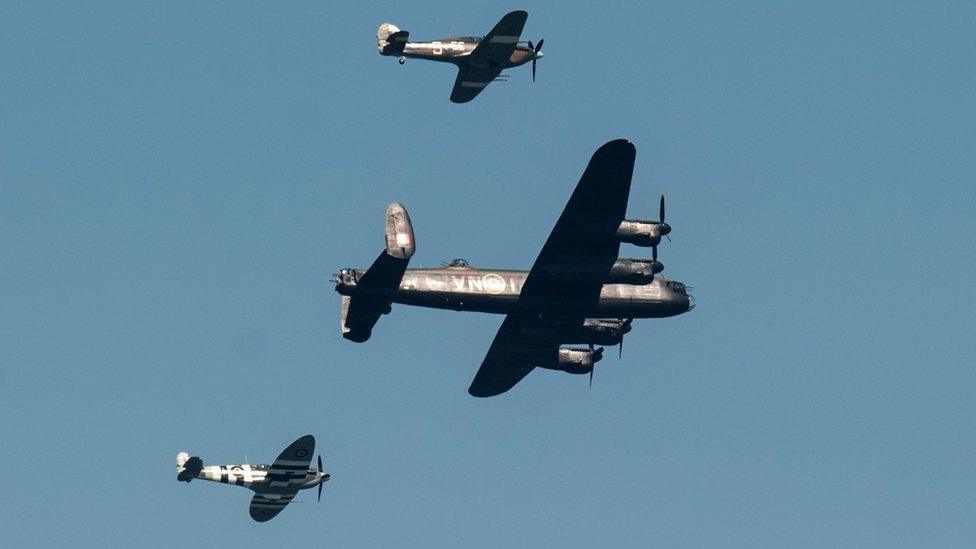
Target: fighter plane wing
(497, 46)
(471, 80)
(265, 507)
(582, 247)
(291, 467)
(488, 58)
(571, 268)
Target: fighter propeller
(535, 54)
(320, 471)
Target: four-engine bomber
(578, 290)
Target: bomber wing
(575, 260)
(571, 268)
(488, 58)
(510, 358)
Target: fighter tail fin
(390, 40)
(187, 468)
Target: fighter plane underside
(480, 61)
(274, 486)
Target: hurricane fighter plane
(479, 60)
(274, 485)
(578, 290)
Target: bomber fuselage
(497, 291)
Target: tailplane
(187, 468)
(371, 294)
(390, 40)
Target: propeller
(320, 471)
(623, 330)
(596, 358)
(665, 228)
(535, 54)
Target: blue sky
(178, 182)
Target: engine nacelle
(639, 233)
(634, 271)
(578, 361)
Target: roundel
(301, 452)
(493, 283)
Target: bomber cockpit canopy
(458, 263)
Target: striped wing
(291, 467)
(265, 507)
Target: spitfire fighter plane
(479, 60)
(274, 485)
(578, 290)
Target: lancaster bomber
(578, 290)
(480, 61)
(274, 485)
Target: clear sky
(178, 182)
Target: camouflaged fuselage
(456, 51)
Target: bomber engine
(576, 360)
(642, 233)
(634, 271)
(593, 331)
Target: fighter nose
(539, 54)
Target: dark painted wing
(497, 46)
(291, 467)
(582, 247)
(488, 58)
(510, 358)
(471, 80)
(265, 507)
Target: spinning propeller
(535, 55)
(664, 228)
(320, 471)
(596, 358)
(624, 328)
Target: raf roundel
(493, 283)
(301, 452)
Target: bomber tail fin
(187, 468)
(361, 311)
(390, 40)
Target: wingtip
(617, 146)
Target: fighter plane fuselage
(498, 290)
(456, 50)
(256, 477)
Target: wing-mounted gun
(187, 468)
(367, 296)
